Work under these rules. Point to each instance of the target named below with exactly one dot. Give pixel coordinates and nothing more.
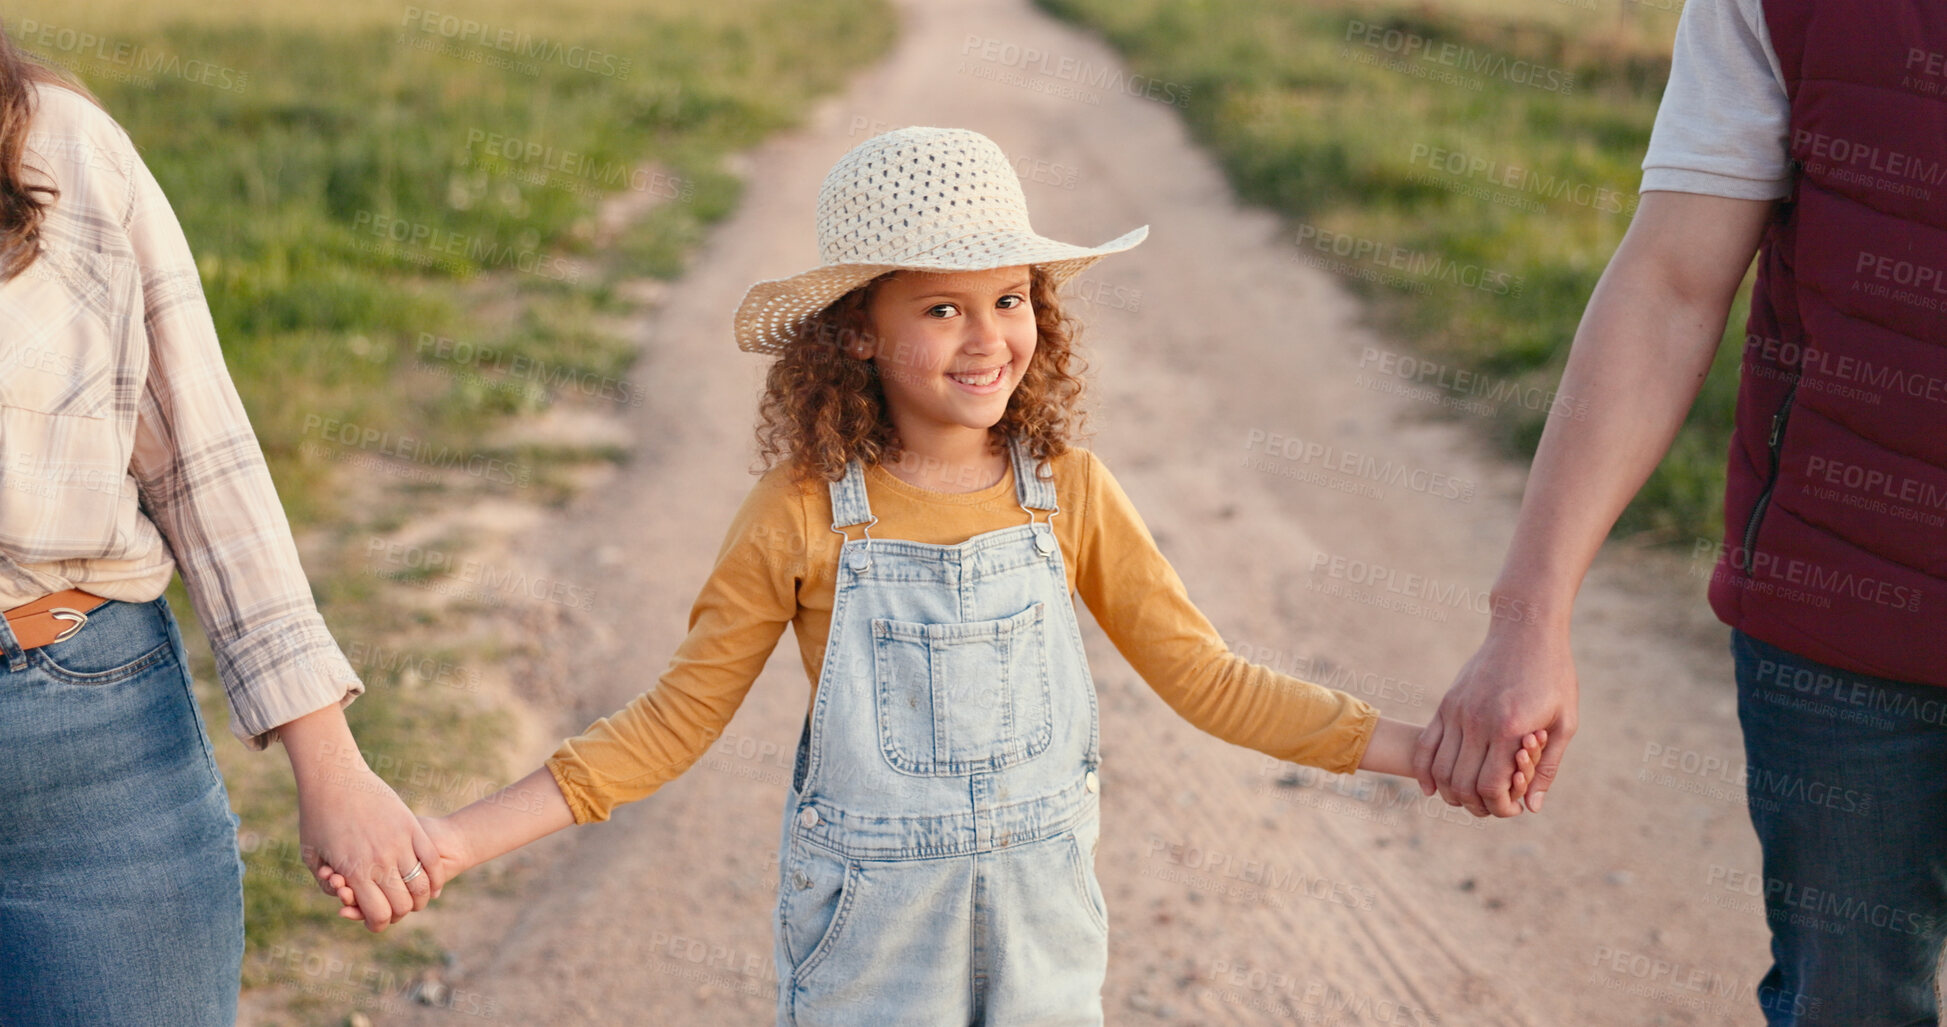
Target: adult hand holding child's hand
(1521, 681)
(454, 857)
(350, 818)
(506, 820)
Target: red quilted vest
(1836, 504)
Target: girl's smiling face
(950, 348)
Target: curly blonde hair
(823, 406)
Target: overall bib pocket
(962, 698)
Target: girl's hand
(1524, 761)
(455, 855)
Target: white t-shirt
(1721, 129)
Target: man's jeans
(1847, 782)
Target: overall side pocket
(818, 888)
(1082, 843)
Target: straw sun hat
(935, 199)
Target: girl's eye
(938, 307)
(1016, 297)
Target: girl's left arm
(1393, 742)
(1391, 749)
(1145, 610)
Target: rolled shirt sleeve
(204, 484)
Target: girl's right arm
(739, 614)
(529, 809)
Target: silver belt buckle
(67, 614)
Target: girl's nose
(984, 334)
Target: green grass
(283, 134)
(1308, 120)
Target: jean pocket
(815, 893)
(119, 641)
(964, 697)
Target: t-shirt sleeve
(1721, 128)
(1145, 610)
(738, 615)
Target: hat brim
(771, 310)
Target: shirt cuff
(1709, 183)
(1361, 724)
(280, 672)
(567, 773)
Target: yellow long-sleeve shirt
(777, 566)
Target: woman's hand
(351, 820)
(355, 824)
(455, 856)
(485, 829)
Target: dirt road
(1239, 891)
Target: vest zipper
(1776, 442)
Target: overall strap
(849, 503)
(1034, 493)
(851, 506)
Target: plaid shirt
(124, 450)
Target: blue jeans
(1847, 783)
(121, 891)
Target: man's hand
(1521, 680)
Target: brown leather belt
(52, 618)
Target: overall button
(858, 561)
(1044, 541)
(807, 817)
(1091, 783)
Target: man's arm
(1638, 360)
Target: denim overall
(936, 862)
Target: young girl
(938, 841)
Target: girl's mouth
(980, 381)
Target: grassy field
(379, 196)
(1468, 165)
